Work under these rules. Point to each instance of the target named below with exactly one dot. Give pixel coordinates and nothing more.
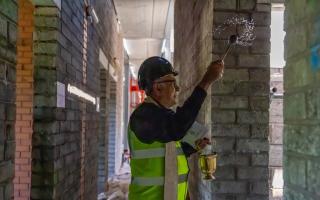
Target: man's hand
(214, 72)
(202, 143)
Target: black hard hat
(152, 69)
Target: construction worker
(153, 124)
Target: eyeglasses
(169, 81)
(166, 81)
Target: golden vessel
(208, 165)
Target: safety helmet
(151, 69)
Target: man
(153, 124)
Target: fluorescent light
(133, 71)
(76, 91)
(172, 41)
(125, 45)
(118, 25)
(277, 5)
(163, 46)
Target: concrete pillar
(193, 53)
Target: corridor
(69, 83)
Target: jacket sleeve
(152, 123)
(187, 149)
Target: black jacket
(153, 123)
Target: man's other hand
(202, 143)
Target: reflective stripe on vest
(148, 169)
(144, 181)
(152, 153)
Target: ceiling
(145, 24)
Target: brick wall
(240, 104)
(8, 31)
(46, 126)
(193, 53)
(110, 38)
(110, 41)
(24, 101)
(301, 101)
(103, 129)
(65, 143)
(112, 131)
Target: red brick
(23, 85)
(26, 141)
(23, 111)
(25, 154)
(22, 174)
(24, 60)
(28, 29)
(28, 66)
(16, 192)
(24, 180)
(23, 194)
(27, 104)
(23, 48)
(26, 130)
(23, 123)
(22, 160)
(24, 98)
(23, 136)
(22, 148)
(26, 168)
(27, 117)
(19, 197)
(24, 35)
(28, 92)
(28, 54)
(26, 73)
(21, 186)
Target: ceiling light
(125, 45)
(163, 46)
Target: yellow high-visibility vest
(148, 170)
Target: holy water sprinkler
(232, 41)
(244, 32)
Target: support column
(193, 53)
(46, 128)
(8, 40)
(240, 105)
(24, 101)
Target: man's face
(166, 89)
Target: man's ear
(156, 88)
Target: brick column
(8, 31)
(240, 103)
(302, 101)
(103, 129)
(24, 101)
(45, 138)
